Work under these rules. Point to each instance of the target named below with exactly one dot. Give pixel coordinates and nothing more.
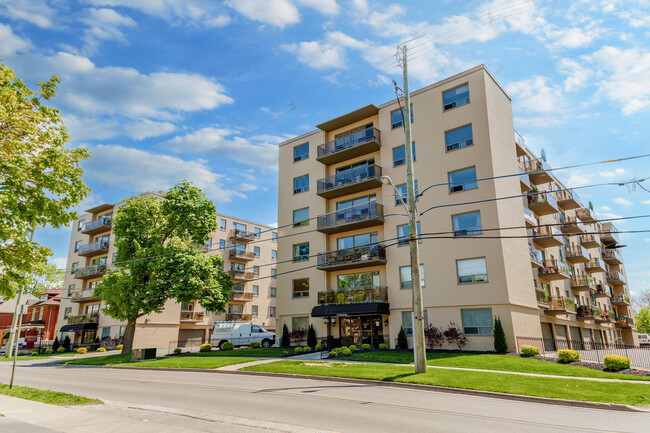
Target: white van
(644, 340)
(241, 334)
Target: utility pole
(418, 310)
(13, 367)
(12, 335)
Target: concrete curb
(473, 392)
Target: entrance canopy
(366, 309)
(78, 327)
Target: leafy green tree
(500, 342)
(402, 342)
(40, 179)
(44, 277)
(159, 257)
(643, 320)
(285, 341)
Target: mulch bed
(592, 365)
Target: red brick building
(42, 317)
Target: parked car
(241, 334)
(644, 340)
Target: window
(81, 225)
(399, 154)
(222, 244)
(114, 257)
(238, 287)
(274, 273)
(240, 229)
(299, 323)
(254, 311)
(301, 184)
(75, 266)
(256, 251)
(222, 224)
(397, 117)
(272, 292)
(455, 97)
(301, 288)
(467, 224)
(106, 332)
(407, 321)
(274, 236)
(239, 248)
(301, 252)
(272, 312)
(256, 290)
(357, 241)
(236, 309)
(237, 267)
(477, 322)
(300, 152)
(402, 190)
(403, 234)
(258, 232)
(462, 180)
(77, 245)
(256, 271)
(122, 331)
(405, 277)
(359, 280)
(274, 255)
(208, 244)
(472, 270)
(71, 288)
(92, 284)
(301, 217)
(67, 312)
(459, 138)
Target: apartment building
(92, 250)
(343, 255)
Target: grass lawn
(50, 397)
(572, 389)
(491, 362)
(269, 352)
(167, 362)
(33, 357)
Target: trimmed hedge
(353, 348)
(177, 350)
(346, 351)
(60, 349)
(365, 346)
(34, 352)
(227, 346)
(207, 347)
(616, 362)
(48, 351)
(527, 350)
(81, 350)
(101, 349)
(297, 350)
(567, 355)
(319, 347)
(383, 346)
(256, 345)
(333, 354)
(119, 347)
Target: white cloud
(59, 262)
(537, 95)
(192, 12)
(103, 25)
(318, 55)
(577, 74)
(247, 187)
(142, 129)
(279, 13)
(579, 180)
(325, 7)
(573, 37)
(10, 43)
(613, 173)
(646, 202)
(36, 12)
(260, 151)
(622, 201)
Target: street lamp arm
(388, 181)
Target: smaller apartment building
(92, 252)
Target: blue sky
(162, 90)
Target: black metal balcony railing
(359, 295)
(621, 299)
(84, 318)
(571, 224)
(586, 311)
(577, 252)
(352, 256)
(584, 214)
(364, 136)
(99, 223)
(92, 270)
(83, 295)
(612, 256)
(554, 266)
(352, 215)
(92, 247)
(595, 264)
(590, 240)
(354, 176)
(583, 281)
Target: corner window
(403, 234)
(462, 180)
(477, 322)
(301, 252)
(75, 266)
(274, 255)
(455, 97)
(300, 152)
(258, 232)
(222, 224)
(399, 155)
(81, 225)
(71, 289)
(402, 190)
(467, 224)
(301, 184)
(406, 278)
(77, 245)
(471, 270)
(301, 217)
(301, 288)
(397, 118)
(459, 138)
(407, 321)
(274, 236)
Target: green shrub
(353, 348)
(319, 347)
(338, 350)
(286, 353)
(56, 344)
(383, 346)
(48, 351)
(81, 350)
(285, 340)
(346, 352)
(500, 342)
(119, 347)
(207, 347)
(333, 354)
(34, 352)
(311, 336)
(342, 347)
(227, 346)
(306, 349)
(177, 350)
(88, 348)
(402, 342)
(527, 350)
(616, 362)
(567, 355)
(256, 345)
(101, 349)
(297, 350)
(60, 349)
(365, 347)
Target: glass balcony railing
(349, 180)
(90, 271)
(536, 255)
(101, 223)
(561, 304)
(350, 142)
(366, 255)
(355, 216)
(93, 247)
(83, 318)
(357, 295)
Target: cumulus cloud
(279, 13)
(36, 12)
(622, 201)
(577, 74)
(10, 43)
(177, 12)
(103, 25)
(613, 173)
(537, 95)
(325, 7)
(577, 179)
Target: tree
(433, 336)
(285, 341)
(454, 335)
(44, 277)
(40, 179)
(402, 342)
(66, 343)
(159, 257)
(500, 342)
(641, 300)
(311, 337)
(643, 320)
(56, 344)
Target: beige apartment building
(535, 257)
(248, 251)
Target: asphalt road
(241, 403)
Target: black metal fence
(590, 351)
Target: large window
(362, 279)
(254, 310)
(222, 224)
(459, 138)
(258, 232)
(256, 251)
(406, 278)
(256, 290)
(397, 117)
(256, 271)
(355, 202)
(299, 323)
(455, 97)
(462, 180)
(472, 270)
(222, 244)
(403, 234)
(77, 245)
(301, 288)
(301, 184)
(477, 322)
(300, 152)
(467, 224)
(399, 154)
(357, 241)
(301, 217)
(271, 311)
(301, 252)
(407, 321)
(402, 190)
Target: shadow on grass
(399, 376)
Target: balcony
(567, 199)
(357, 257)
(571, 225)
(554, 269)
(240, 317)
(530, 218)
(560, 305)
(576, 254)
(356, 180)
(237, 295)
(547, 236)
(92, 271)
(606, 317)
(615, 278)
(595, 265)
(520, 144)
(624, 322)
(586, 312)
(536, 169)
(583, 282)
(542, 203)
(610, 234)
(536, 257)
(621, 299)
(240, 235)
(524, 180)
(191, 316)
(240, 275)
(360, 295)
(84, 318)
(93, 248)
(100, 225)
(602, 291)
(351, 146)
(86, 295)
(585, 215)
(590, 241)
(542, 296)
(612, 256)
(241, 255)
(353, 218)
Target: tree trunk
(129, 333)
